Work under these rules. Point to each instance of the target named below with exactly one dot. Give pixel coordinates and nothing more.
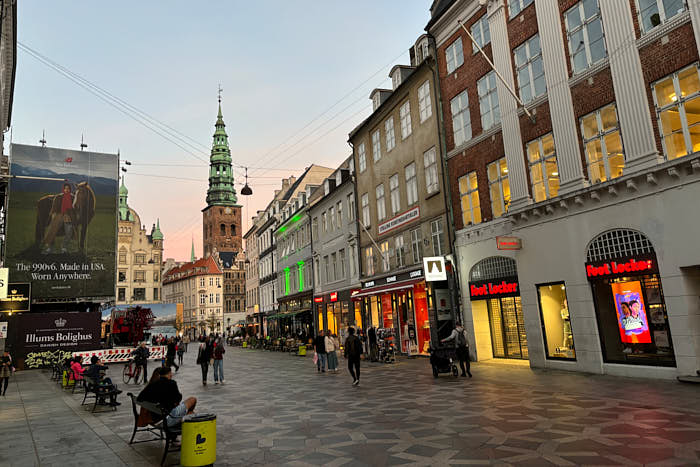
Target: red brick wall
(211, 223)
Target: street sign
(434, 267)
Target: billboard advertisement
(61, 222)
(631, 314)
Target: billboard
(631, 313)
(18, 298)
(61, 222)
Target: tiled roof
(200, 267)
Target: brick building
(595, 271)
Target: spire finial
(192, 258)
(83, 145)
(43, 138)
(220, 91)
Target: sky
(296, 78)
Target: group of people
(211, 352)
(96, 371)
(326, 346)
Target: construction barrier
(120, 354)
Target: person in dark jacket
(141, 355)
(164, 392)
(95, 371)
(320, 348)
(353, 351)
(204, 356)
(170, 355)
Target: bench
(98, 392)
(158, 427)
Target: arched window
(618, 243)
(233, 229)
(223, 229)
(494, 267)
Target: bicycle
(131, 371)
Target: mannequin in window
(568, 341)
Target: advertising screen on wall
(61, 222)
(631, 313)
(44, 332)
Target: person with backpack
(459, 336)
(353, 351)
(141, 354)
(204, 355)
(218, 355)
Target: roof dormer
(398, 74)
(378, 96)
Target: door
(507, 328)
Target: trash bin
(302, 350)
(198, 445)
(245, 344)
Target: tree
(212, 321)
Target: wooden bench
(158, 427)
(98, 392)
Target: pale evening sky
(281, 64)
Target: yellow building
(139, 257)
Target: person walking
(186, 340)
(180, 352)
(204, 355)
(170, 355)
(353, 351)
(331, 352)
(5, 371)
(459, 336)
(218, 354)
(320, 349)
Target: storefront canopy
(388, 288)
(286, 315)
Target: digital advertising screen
(631, 312)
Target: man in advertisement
(61, 215)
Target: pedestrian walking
(331, 352)
(141, 355)
(186, 340)
(204, 355)
(353, 351)
(459, 336)
(5, 371)
(218, 354)
(170, 355)
(320, 348)
(180, 352)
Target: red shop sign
(318, 299)
(508, 287)
(334, 296)
(612, 268)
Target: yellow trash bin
(245, 344)
(198, 445)
(302, 350)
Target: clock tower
(221, 219)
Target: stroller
(443, 359)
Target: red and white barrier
(120, 354)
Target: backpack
(461, 339)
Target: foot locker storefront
(495, 300)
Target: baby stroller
(442, 359)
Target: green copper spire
(192, 258)
(221, 191)
(124, 214)
(157, 234)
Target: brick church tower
(221, 219)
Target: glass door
(507, 328)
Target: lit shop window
(544, 173)
(516, 6)
(369, 261)
(461, 123)
(584, 31)
(655, 12)
(469, 197)
(603, 144)
(480, 33)
(529, 69)
(677, 99)
(488, 101)
(556, 324)
(454, 55)
(384, 247)
(499, 186)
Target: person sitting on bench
(95, 371)
(164, 391)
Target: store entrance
(507, 328)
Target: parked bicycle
(131, 370)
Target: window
(376, 146)
(122, 276)
(461, 124)
(341, 259)
(677, 99)
(389, 134)
(140, 294)
(425, 108)
(201, 282)
(351, 207)
(556, 324)
(121, 295)
(314, 227)
(362, 157)
(529, 69)
(416, 248)
(400, 254)
(454, 55)
(480, 33)
(405, 117)
(488, 101)
(365, 210)
(584, 30)
(339, 212)
(369, 261)
(469, 197)
(655, 12)
(334, 267)
(211, 298)
(122, 257)
(324, 221)
(384, 247)
(544, 173)
(139, 276)
(602, 144)
(331, 218)
(395, 195)
(431, 170)
(211, 282)
(381, 204)
(516, 6)
(222, 229)
(436, 231)
(140, 258)
(411, 184)
(499, 187)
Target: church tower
(222, 217)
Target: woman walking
(203, 356)
(331, 349)
(5, 371)
(218, 353)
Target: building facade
(401, 200)
(568, 253)
(252, 279)
(233, 269)
(335, 253)
(139, 257)
(197, 286)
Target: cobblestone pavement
(275, 409)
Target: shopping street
(275, 409)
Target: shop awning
(286, 315)
(388, 288)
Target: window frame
(528, 64)
(430, 169)
(416, 246)
(411, 184)
(544, 331)
(543, 164)
(479, 35)
(437, 229)
(369, 260)
(522, 4)
(586, 41)
(384, 250)
(362, 157)
(490, 94)
(376, 146)
(425, 103)
(398, 251)
(468, 194)
(405, 118)
(366, 215)
(394, 194)
(660, 10)
(452, 57)
(381, 201)
(464, 122)
(499, 182)
(600, 135)
(389, 134)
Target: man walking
(141, 355)
(459, 336)
(320, 348)
(170, 355)
(353, 351)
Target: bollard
(198, 445)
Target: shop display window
(374, 311)
(358, 315)
(422, 327)
(556, 323)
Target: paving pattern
(275, 409)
